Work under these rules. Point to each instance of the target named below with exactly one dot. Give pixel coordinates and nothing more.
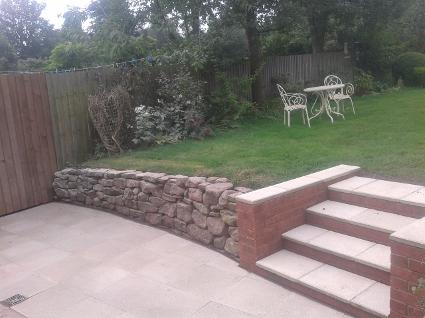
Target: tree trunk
(255, 58)
(318, 28)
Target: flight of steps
(341, 256)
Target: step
(395, 197)
(346, 252)
(354, 294)
(370, 224)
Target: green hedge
(405, 65)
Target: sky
(55, 8)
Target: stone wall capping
(290, 186)
(412, 234)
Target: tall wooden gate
(27, 152)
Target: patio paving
(72, 261)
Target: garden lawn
(386, 138)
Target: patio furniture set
(333, 90)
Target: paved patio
(72, 262)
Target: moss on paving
(387, 137)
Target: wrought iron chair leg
(308, 119)
(352, 105)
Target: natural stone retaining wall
(200, 208)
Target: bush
(363, 82)
(178, 114)
(225, 107)
(405, 65)
(420, 75)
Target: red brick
(398, 307)
(404, 273)
(400, 284)
(404, 297)
(416, 266)
(415, 312)
(400, 261)
(408, 251)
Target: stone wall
(199, 208)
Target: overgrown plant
(224, 105)
(178, 113)
(419, 289)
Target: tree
(72, 27)
(26, 31)
(8, 56)
(253, 16)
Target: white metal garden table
(323, 93)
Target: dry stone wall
(203, 209)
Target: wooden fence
(45, 125)
(294, 70)
(27, 152)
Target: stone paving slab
(98, 265)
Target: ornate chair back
(282, 94)
(334, 80)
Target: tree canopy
(213, 33)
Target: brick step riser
(350, 229)
(378, 204)
(315, 295)
(337, 261)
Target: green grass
(387, 138)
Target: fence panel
(300, 70)
(68, 95)
(27, 154)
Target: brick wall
(264, 215)
(200, 208)
(407, 269)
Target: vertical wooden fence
(27, 152)
(300, 70)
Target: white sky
(55, 8)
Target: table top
(323, 88)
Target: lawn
(386, 137)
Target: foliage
(363, 82)
(224, 106)
(420, 290)
(26, 31)
(7, 55)
(69, 55)
(420, 75)
(404, 67)
(33, 64)
(178, 113)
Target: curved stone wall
(203, 209)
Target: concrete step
(351, 293)
(369, 224)
(395, 197)
(346, 252)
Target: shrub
(405, 65)
(178, 114)
(224, 106)
(363, 82)
(420, 75)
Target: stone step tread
(341, 245)
(387, 190)
(370, 218)
(358, 291)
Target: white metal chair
(291, 102)
(341, 94)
